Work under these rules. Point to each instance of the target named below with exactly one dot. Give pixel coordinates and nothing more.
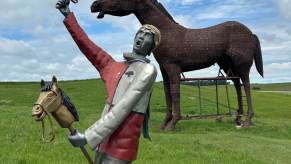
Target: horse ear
(42, 83)
(54, 80)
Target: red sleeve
(98, 57)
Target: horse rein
(44, 110)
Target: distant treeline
(205, 82)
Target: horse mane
(47, 87)
(66, 100)
(163, 10)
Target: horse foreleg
(175, 93)
(237, 85)
(167, 89)
(250, 113)
(174, 76)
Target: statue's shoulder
(149, 69)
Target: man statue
(115, 136)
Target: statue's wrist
(66, 12)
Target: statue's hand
(63, 6)
(77, 139)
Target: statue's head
(146, 40)
(113, 7)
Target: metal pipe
(227, 96)
(199, 94)
(217, 105)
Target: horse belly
(190, 66)
(201, 58)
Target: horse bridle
(45, 112)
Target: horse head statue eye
(50, 95)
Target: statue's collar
(132, 57)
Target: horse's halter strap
(48, 113)
(46, 104)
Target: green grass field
(195, 141)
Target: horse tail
(258, 56)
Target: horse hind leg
(224, 64)
(250, 112)
(237, 86)
(241, 64)
(168, 97)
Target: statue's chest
(127, 79)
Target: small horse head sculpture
(48, 100)
(53, 101)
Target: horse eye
(50, 95)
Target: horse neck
(61, 106)
(60, 103)
(147, 13)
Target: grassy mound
(196, 141)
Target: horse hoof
(238, 121)
(163, 126)
(170, 127)
(238, 126)
(246, 124)
(172, 124)
(166, 121)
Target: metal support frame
(218, 114)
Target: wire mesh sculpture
(230, 44)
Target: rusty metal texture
(230, 44)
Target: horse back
(203, 47)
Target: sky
(34, 44)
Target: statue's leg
(174, 77)
(107, 159)
(237, 85)
(168, 97)
(250, 112)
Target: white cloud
(128, 23)
(278, 67)
(27, 13)
(36, 45)
(212, 71)
(230, 9)
(189, 2)
(274, 72)
(285, 7)
(9, 47)
(181, 2)
(185, 20)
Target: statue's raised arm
(98, 57)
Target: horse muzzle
(96, 6)
(38, 112)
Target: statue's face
(143, 42)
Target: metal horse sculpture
(231, 45)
